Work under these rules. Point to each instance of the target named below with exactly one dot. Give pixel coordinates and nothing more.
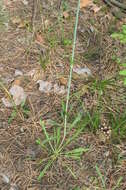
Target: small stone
(5, 178)
(44, 86)
(18, 73)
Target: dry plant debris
(34, 67)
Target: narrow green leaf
(12, 116)
(118, 183)
(43, 144)
(77, 119)
(100, 175)
(116, 35)
(125, 81)
(75, 153)
(123, 40)
(42, 173)
(123, 72)
(58, 135)
(124, 29)
(46, 134)
(123, 64)
(77, 150)
(75, 157)
(77, 132)
(55, 136)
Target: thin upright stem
(71, 71)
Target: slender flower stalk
(71, 71)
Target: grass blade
(76, 153)
(101, 176)
(58, 135)
(77, 119)
(118, 183)
(42, 173)
(46, 134)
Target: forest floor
(35, 48)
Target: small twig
(33, 13)
(116, 3)
(59, 4)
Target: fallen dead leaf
(31, 73)
(38, 75)
(59, 89)
(5, 178)
(21, 24)
(44, 86)
(25, 2)
(13, 187)
(46, 23)
(82, 71)
(7, 3)
(16, 20)
(48, 87)
(39, 38)
(18, 73)
(95, 8)
(63, 81)
(65, 14)
(7, 102)
(17, 82)
(18, 94)
(84, 3)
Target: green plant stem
(71, 71)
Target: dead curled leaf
(38, 75)
(7, 102)
(65, 14)
(59, 89)
(17, 82)
(84, 3)
(48, 87)
(18, 96)
(18, 21)
(44, 86)
(63, 81)
(39, 38)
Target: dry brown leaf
(39, 38)
(16, 20)
(63, 81)
(84, 3)
(38, 75)
(21, 24)
(7, 3)
(46, 23)
(18, 94)
(17, 82)
(65, 14)
(95, 8)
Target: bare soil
(36, 31)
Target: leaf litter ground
(42, 53)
